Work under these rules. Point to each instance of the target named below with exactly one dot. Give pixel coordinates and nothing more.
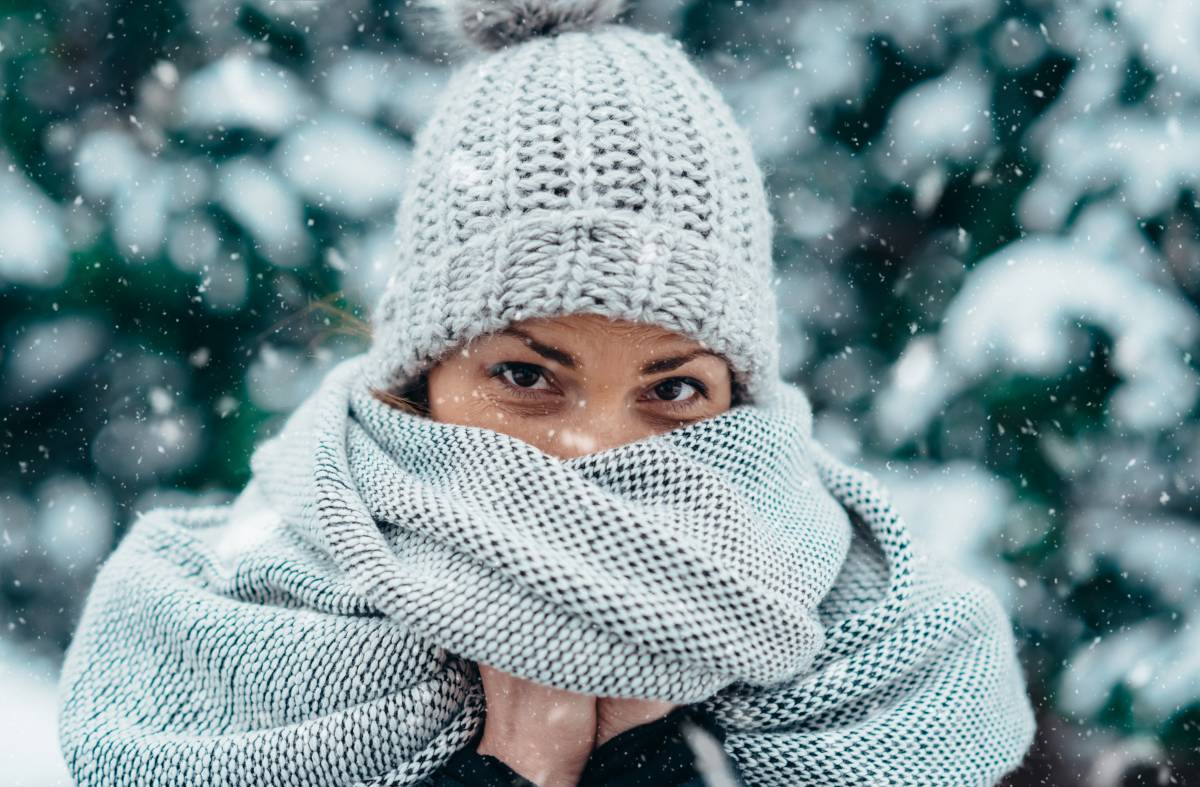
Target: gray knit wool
(323, 629)
(578, 171)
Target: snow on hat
(577, 165)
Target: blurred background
(989, 274)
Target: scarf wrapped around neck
(322, 629)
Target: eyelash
(497, 371)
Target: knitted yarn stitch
(586, 167)
(322, 629)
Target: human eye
(520, 378)
(679, 393)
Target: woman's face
(580, 383)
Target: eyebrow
(674, 361)
(554, 354)
(567, 360)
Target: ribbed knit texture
(587, 172)
(322, 629)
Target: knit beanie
(577, 165)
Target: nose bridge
(596, 424)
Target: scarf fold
(323, 628)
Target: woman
(563, 522)
(571, 386)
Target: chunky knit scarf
(323, 629)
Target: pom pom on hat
(490, 25)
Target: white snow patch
(243, 91)
(48, 352)
(1021, 311)
(33, 246)
(346, 165)
(29, 753)
(267, 208)
(939, 120)
(76, 521)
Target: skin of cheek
(464, 396)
